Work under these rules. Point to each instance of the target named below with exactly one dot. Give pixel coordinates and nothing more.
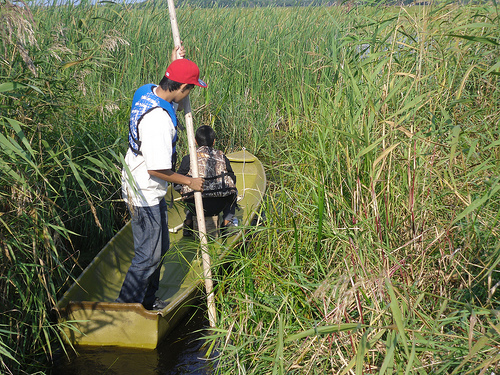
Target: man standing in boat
(150, 164)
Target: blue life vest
(143, 102)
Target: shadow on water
(182, 352)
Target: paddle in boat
(87, 312)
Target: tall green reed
(380, 132)
(58, 185)
(378, 123)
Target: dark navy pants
(151, 243)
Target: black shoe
(187, 229)
(229, 229)
(159, 304)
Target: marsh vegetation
(379, 129)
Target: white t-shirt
(156, 132)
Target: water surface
(182, 352)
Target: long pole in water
(200, 215)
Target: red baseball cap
(184, 71)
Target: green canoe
(87, 312)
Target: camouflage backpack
(211, 166)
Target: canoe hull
(88, 314)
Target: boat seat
(241, 157)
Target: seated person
(219, 189)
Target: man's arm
(230, 171)
(184, 167)
(176, 178)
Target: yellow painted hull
(87, 312)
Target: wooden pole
(207, 273)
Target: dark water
(182, 352)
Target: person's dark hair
(168, 85)
(205, 136)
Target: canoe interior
(87, 312)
